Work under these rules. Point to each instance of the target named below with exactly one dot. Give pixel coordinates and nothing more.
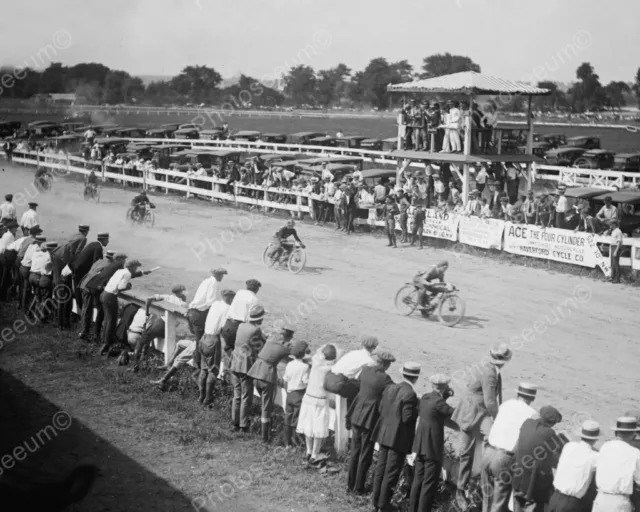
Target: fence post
(124, 175)
(144, 179)
(312, 212)
(188, 188)
(166, 189)
(169, 335)
(235, 193)
(341, 432)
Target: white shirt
(39, 262)
(481, 177)
(485, 211)
(241, 305)
(608, 213)
(7, 239)
(296, 375)
(576, 468)
(7, 210)
(118, 281)
(326, 173)
(205, 295)
(15, 245)
(29, 219)
(138, 322)
(216, 317)
(28, 255)
(562, 205)
(617, 236)
(351, 364)
(617, 467)
(506, 427)
(171, 299)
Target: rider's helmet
(291, 223)
(442, 264)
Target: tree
(120, 87)
(300, 85)
(403, 70)
(370, 85)
(249, 92)
(445, 64)
(198, 84)
(636, 86)
(615, 92)
(332, 84)
(556, 100)
(52, 79)
(587, 93)
(161, 93)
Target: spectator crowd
(525, 460)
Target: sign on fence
(438, 224)
(552, 244)
(485, 233)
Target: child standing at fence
(314, 410)
(295, 379)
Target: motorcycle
(145, 217)
(447, 304)
(291, 255)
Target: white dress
(314, 411)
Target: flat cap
(385, 357)
(35, 230)
(227, 293)
(219, 271)
(33, 205)
(550, 415)
(253, 284)
(102, 236)
(178, 288)
(369, 342)
(133, 263)
(299, 349)
(83, 227)
(119, 256)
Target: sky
(514, 39)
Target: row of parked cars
(583, 152)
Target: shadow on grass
(40, 442)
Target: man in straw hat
(477, 409)
(362, 417)
(428, 445)
(618, 469)
(498, 456)
(248, 343)
(573, 481)
(396, 429)
(533, 482)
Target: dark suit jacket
(537, 453)
(429, 440)
(481, 399)
(398, 415)
(96, 280)
(266, 366)
(68, 251)
(83, 262)
(364, 409)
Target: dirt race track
(572, 336)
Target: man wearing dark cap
(428, 444)
(248, 343)
(242, 303)
(29, 218)
(82, 263)
(362, 418)
(91, 287)
(206, 295)
(208, 355)
(537, 442)
(396, 430)
(60, 259)
(264, 373)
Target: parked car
(371, 176)
(8, 128)
(576, 196)
(170, 126)
(564, 156)
(274, 159)
(322, 141)
(114, 144)
(73, 126)
(45, 130)
(345, 160)
(390, 144)
(626, 162)
(70, 143)
(213, 134)
(584, 141)
(338, 170)
(83, 118)
(160, 133)
(303, 137)
(274, 138)
(553, 139)
(353, 141)
(187, 133)
(372, 144)
(248, 135)
(189, 126)
(595, 159)
(538, 148)
(628, 204)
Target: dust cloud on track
(573, 337)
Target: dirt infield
(569, 335)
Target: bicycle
(292, 255)
(145, 217)
(447, 304)
(92, 192)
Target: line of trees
(339, 86)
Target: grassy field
(618, 140)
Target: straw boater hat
(527, 390)
(626, 424)
(411, 370)
(590, 430)
(500, 354)
(256, 313)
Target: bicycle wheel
(451, 310)
(96, 195)
(297, 260)
(149, 219)
(130, 215)
(406, 300)
(266, 259)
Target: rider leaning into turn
(139, 202)
(426, 281)
(91, 179)
(42, 172)
(282, 235)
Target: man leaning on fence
(476, 411)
